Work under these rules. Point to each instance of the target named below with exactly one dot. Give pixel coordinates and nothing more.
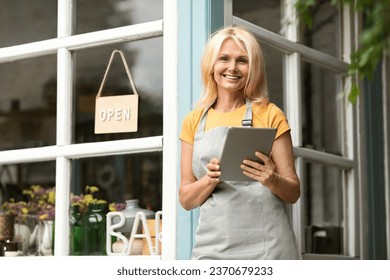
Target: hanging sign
(116, 114)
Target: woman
(238, 220)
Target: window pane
(28, 103)
(324, 209)
(15, 178)
(144, 59)
(31, 207)
(320, 109)
(118, 179)
(115, 13)
(264, 13)
(274, 71)
(324, 34)
(122, 177)
(25, 21)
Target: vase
(95, 224)
(24, 233)
(130, 211)
(45, 238)
(78, 233)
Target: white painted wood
(324, 158)
(64, 130)
(96, 149)
(228, 12)
(292, 97)
(83, 41)
(289, 46)
(170, 130)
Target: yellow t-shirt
(264, 115)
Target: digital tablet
(242, 143)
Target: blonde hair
(256, 85)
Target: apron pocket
(232, 229)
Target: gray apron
(240, 220)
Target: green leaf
(303, 10)
(353, 93)
(374, 39)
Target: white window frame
(64, 151)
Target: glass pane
(28, 103)
(118, 179)
(264, 13)
(324, 209)
(15, 178)
(321, 120)
(324, 34)
(122, 177)
(27, 191)
(274, 68)
(144, 59)
(25, 21)
(115, 13)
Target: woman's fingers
(262, 172)
(213, 168)
(213, 165)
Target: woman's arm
(194, 192)
(278, 171)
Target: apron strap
(246, 121)
(202, 122)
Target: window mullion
(292, 96)
(170, 129)
(352, 191)
(64, 130)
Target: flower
(43, 199)
(84, 200)
(15, 208)
(115, 207)
(40, 201)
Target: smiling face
(231, 68)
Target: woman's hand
(264, 173)
(194, 192)
(214, 171)
(278, 171)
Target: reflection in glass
(324, 34)
(16, 178)
(28, 103)
(25, 21)
(122, 177)
(324, 209)
(264, 13)
(321, 120)
(274, 71)
(115, 13)
(144, 59)
(32, 209)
